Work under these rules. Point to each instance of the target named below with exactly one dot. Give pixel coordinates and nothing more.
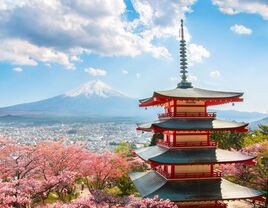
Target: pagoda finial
(183, 62)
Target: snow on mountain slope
(94, 98)
(95, 88)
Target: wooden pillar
(174, 138)
(211, 169)
(172, 171)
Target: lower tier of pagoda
(151, 184)
(159, 155)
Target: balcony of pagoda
(180, 176)
(190, 144)
(187, 115)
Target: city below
(96, 136)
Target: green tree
(254, 137)
(124, 148)
(263, 129)
(155, 138)
(125, 185)
(229, 140)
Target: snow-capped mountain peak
(94, 88)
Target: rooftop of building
(150, 184)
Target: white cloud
(215, 74)
(232, 7)
(76, 58)
(125, 72)
(95, 26)
(95, 72)
(21, 52)
(17, 69)
(71, 28)
(192, 78)
(160, 19)
(197, 53)
(138, 75)
(174, 79)
(241, 29)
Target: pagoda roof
(150, 184)
(188, 93)
(191, 124)
(164, 155)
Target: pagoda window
(190, 106)
(192, 169)
(191, 138)
(190, 102)
(190, 109)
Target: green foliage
(125, 185)
(229, 140)
(56, 196)
(115, 191)
(236, 140)
(124, 148)
(263, 129)
(254, 137)
(155, 138)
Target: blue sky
(51, 47)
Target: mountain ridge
(96, 98)
(94, 88)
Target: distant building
(185, 163)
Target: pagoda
(185, 164)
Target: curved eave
(151, 184)
(192, 125)
(158, 155)
(211, 97)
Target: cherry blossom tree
(101, 170)
(104, 200)
(255, 176)
(32, 172)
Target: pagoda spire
(183, 62)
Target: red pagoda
(185, 164)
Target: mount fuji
(94, 98)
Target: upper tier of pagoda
(186, 92)
(209, 97)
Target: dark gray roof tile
(151, 184)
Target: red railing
(198, 175)
(187, 115)
(215, 174)
(188, 144)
